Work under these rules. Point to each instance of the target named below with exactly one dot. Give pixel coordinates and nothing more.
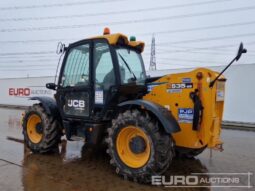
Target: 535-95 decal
(181, 86)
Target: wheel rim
(33, 128)
(139, 157)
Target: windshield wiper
(127, 66)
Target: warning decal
(185, 115)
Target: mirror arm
(238, 56)
(213, 82)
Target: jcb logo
(76, 103)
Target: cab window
(76, 71)
(131, 66)
(105, 76)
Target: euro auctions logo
(210, 180)
(19, 91)
(175, 180)
(25, 92)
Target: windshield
(131, 66)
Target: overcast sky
(188, 33)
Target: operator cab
(99, 73)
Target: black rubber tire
(51, 130)
(161, 146)
(188, 152)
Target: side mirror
(60, 48)
(240, 51)
(51, 86)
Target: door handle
(114, 90)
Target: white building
(16, 91)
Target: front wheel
(42, 133)
(138, 147)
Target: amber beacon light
(106, 31)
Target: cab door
(75, 84)
(105, 77)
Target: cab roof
(121, 39)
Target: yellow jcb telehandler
(103, 93)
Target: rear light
(220, 90)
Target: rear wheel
(42, 133)
(138, 147)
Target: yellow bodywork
(173, 99)
(114, 39)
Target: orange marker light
(106, 31)
(199, 75)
